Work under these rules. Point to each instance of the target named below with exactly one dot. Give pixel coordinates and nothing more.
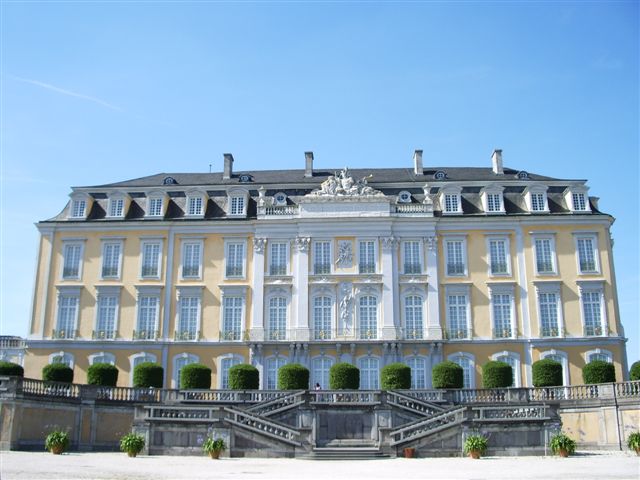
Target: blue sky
(99, 92)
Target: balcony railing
(145, 334)
(457, 333)
(412, 268)
(413, 334)
(186, 335)
(70, 272)
(234, 271)
(549, 331)
(233, 335)
(64, 334)
(503, 333)
(367, 268)
(413, 208)
(281, 210)
(455, 268)
(368, 334)
(276, 334)
(593, 331)
(103, 334)
(322, 268)
(109, 272)
(323, 334)
(11, 342)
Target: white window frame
(105, 243)
(72, 243)
(578, 236)
(319, 333)
(313, 255)
(113, 201)
(416, 333)
(235, 241)
(552, 248)
(593, 287)
(415, 380)
(143, 245)
(155, 197)
(359, 363)
(232, 292)
(314, 372)
(503, 289)
(450, 239)
(274, 332)
(372, 334)
(101, 293)
(110, 358)
(222, 374)
(133, 361)
(68, 358)
(493, 190)
(472, 368)
(455, 191)
(420, 264)
(536, 189)
(192, 196)
(570, 200)
(266, 376)
(68, 292)
(459, 290)
(270, 259)
(175, 373)
(598, 351)
(507, 251)
(77, 199)
(183, 293)
(554, 288)
(517, 367)
(564, 361)
(148, 292)
(183, 245)
(375, 255)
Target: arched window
(179, 362)
(225, 364)
(562, 358)
(320, 367)
(368, 317)
(102, 357)
(418, 367)
(65, 358)
(413, 317)
(322, 318)
(513, 359)
(139, 358)
(277, 326)
(369, 373)
(467, 363)
(273, 365)
(598, 354)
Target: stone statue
(343, 185)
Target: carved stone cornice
(259, 244)
(389, 243)
(302, 243)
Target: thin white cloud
(69, 93)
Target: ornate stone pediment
(342, 185)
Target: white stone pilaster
(390, 306)
(434, 329)
(301, 288)
(257, 291)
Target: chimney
(228, 166)
(308, 164)
(417, 162)
(496, 161)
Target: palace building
(413, 264)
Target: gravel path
(85, 466)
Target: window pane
(412, 264)
(232, 318)
(457, 316)
(544, 257)
(549, 314)
(413, 317)
(322, 318)
(498, 257)
(278, 265)
(367, 261)
(72, 253)
(586, 255)
(455, 257)
(235, 259)
(322, 258)
(191, 253)
(592, 312)
(111, 260)
(368, 317)
(150, 259)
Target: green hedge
(598, 371)
(244, 377)
(148, 374)
(9, 368)
(395, 376)
(195, 375)
(547, 373)
(448, 375)
(103, 374)
(57, 372)
(293, 377)
(497, 375)
(634, 373)
(344, 376)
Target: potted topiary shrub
(214, 447)
(497, 374)
(633, 442)
(293, 376)
(148, 374)
(634, 373)
(57, 372)
(448, 375)
(57, 442)
(562, 445)
(244, 377)
(12, 369)
(102, 374)
(475, 446)
(395, 376)
(598, 371)
(195, 375)
(132, 444)
(344, 376)
(547, 373)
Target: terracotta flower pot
(214, 454)
(637, 449)
(563, 453)
(475, 454)
(57, 450)
(409, 452)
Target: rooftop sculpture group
(343, 185)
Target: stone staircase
(278, 405)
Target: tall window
(102, 357)
(320, 367)
(322, 318)
(592, 313)
(116, 207)
(502, 315)
(455, 257)
(195, 206)
(418, 367)
(579, 201)
(62, 357)
(544, 255)
(451, 203)
(237, 205)
(538, 203)
(467, 370)
(72, 259)
(273, 365)
(78, 208)
(277, 328)
(147, 317)
(188, 321)
(587, 255)
(366, 256)
(413, 317)
(150, 260)
(67, 315)
(412, 264)
(494, 202)
(322, 257)
(191, 259)
(498, 257)
(278, 258)
(549, 324)
(368, 317)
(369, 373)
(225, 365)
(106, 322)
(600, 356)
(111, 252)
(235, 260)
(457, 316)
(155, 207)
(232, 318)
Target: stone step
(346, 453)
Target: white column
(256, 332)
(390, 307)
(434, 329)
(524, 306)
(301, 288)
(168, 292)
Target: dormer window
(237, 206)
(237, 203)
(450, 200)
(404, 197)
(492, 201)
(80, 205)
(194, 206)
(154, 208)
(536, 199)
(280, 199)
(116, 206)
(577, 199)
